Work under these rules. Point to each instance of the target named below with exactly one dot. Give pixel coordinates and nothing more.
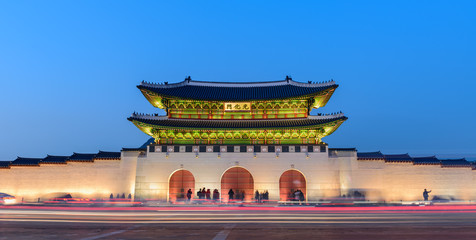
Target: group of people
(260, 197)
(239, 195)
(122, 196)
(297, 195)
(204, 194)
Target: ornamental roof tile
(240, 124)
(223, 91)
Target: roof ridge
(189, 82)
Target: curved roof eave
(338, 121)
(227, 93)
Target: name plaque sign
(237, 106)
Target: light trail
(348, 215)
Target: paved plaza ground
(238, 223)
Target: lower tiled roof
(240, 124)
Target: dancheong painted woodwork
(199, 112)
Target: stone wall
(386, 181)
(327, 175)
(96, 179)
(155, 169)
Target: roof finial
(188, 79)
(288, 78)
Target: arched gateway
(240, 180)
(289, 182)
(179, 183)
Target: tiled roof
(241, 124)
(426, 161)
(55, 159)
(5, 164)
(343, 149)
(398, 158)
(455, 163)
(82, 157)
(370, 155)
(431, 160)
(151, 140)
(20, 161)
(223, 91)
(108, 155)
(49, 159)
(134, 149)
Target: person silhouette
(230, 194)
(425, 194)
(189, 194)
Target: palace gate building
(256, 136)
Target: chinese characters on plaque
(237, 106)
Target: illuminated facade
(246, 137)
(238, 113)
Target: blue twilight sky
(69, 69)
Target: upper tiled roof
(108, 155)
(370, 155)
(242, 91)
(240, 124)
